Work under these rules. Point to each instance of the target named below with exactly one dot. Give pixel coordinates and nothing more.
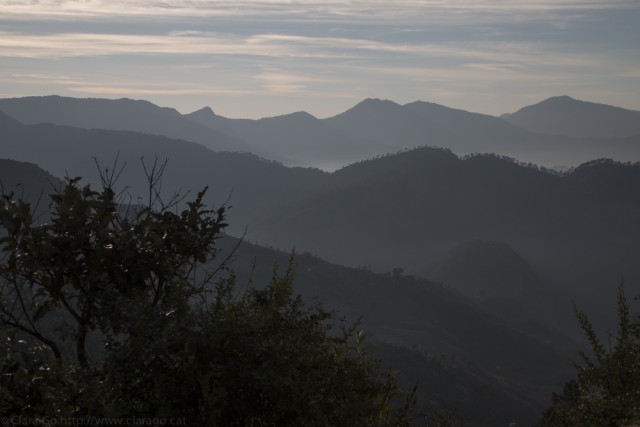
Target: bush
(115, 311)
(606, 391)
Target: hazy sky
(265, 57)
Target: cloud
(60, 45)
(277, 81)
(477, 55)
(296, 64)
(42, 78)
(313, 10)
(138, 91)
(316, 49)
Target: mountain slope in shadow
(463, 346)
(250, 184)
(408, 209)
(120, 114)
(6, 120)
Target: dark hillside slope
(510, 364)
(453, 384)
(406, 310)
(407, 209)
(412, 205)
(25, 180)
(463, 346)
(499, 278)
(28, 182)
(485, 269)
(251, 184)
(6, 120)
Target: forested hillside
(476, 348)
(463, 269)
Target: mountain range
(371, 128)
(402, 210)
(476, 257)
(122, 114)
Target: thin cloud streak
(109, 90)
(404, 11)
(277, 81)
(82, 44)
(239, 7)
(279, 46)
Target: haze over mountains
(419, 203)
(371, 128)
(409, 321)
(511, 244)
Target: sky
(259, 58)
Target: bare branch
(223, 264)
(154, 176)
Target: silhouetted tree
(606, 390)
(115, 310)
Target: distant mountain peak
(562, 98)
(302, 114)
(371, 106)
(298, 115)
(426, 106)
(564, 115)
(566, 100)
(419, 102)
(368, 102)
(203, 113)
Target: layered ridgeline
(121, 114)
(372, 127)
(251, 184)
(404, 210)
(520, 242)
(462, 353)
(408, 209)
(300, 138)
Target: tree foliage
(114, 310)
(606, 390)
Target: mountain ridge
(564, 115)
(371, 128)
(119, 114)
(482, 349)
